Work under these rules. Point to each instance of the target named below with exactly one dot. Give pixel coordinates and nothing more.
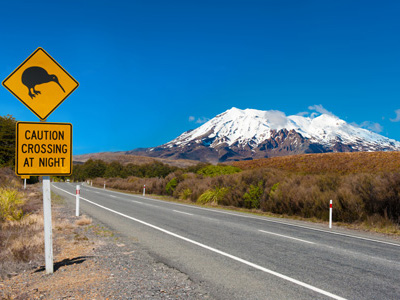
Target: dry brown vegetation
(364, 187)
(22, 239)
(21, 235)
(339, 163)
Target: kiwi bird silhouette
(36, 75)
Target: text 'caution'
(43, 148)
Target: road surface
(242, 256)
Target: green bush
(214, 196)
(10, 204)
(171, 185)
(7, 141)
(185, 194)
(213, 171)
(253, 196)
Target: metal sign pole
(48, 234)
(48, 229)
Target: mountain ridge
(250, 134)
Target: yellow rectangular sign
(43, 149)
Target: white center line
(288, 237)
(238, 259)
(182, 212)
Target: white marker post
(330, 214)
(48, 234)
(24, 183)
(104, 185)
(78, 191)
(144, 190)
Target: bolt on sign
(43, 148)
(40, 83)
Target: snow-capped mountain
(246, 134)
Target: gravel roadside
(92, 262)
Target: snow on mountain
(250, 128)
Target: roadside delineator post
(24, 183)
(330, 214)
(144, 190)
(78, 192)
(104, 185)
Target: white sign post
(78, 191)
(330, 214)
(48, 233)
(33, 71)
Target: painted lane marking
(285, 236)
(238, 259)
(262, 219)
(271, 221)
(182, 212)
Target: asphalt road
(241, 256)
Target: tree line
(97, 168)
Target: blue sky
(150, 70)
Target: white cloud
(276, 117)
(375, 127)
(200, 120)
(397, 119)
(320, 109)
(303, 113)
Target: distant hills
(251, 134)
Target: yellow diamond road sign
(43, 148)
(40, 83)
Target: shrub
(253, 196)
(212, 196)
(212, 171)
(185, 194)
(7, 141)
(171, 185)
(10, 204)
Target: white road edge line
(238, 259)
(287, 237)
(263, 219)
(182, 212)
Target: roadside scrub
(361, 199)
(21, 226)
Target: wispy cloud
(375, 127)
(276, 117)
(200, 120)
(303, 113)
(320, 109)
(397, 119)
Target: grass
(101, 231)
(11, 201)
(83, 221)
